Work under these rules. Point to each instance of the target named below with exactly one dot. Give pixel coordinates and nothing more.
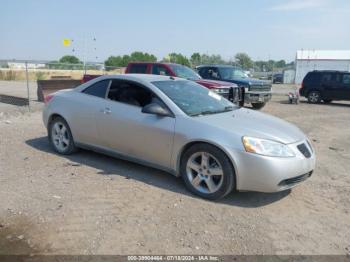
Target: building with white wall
(310, 60)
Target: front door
(125, 129)
(346, 86)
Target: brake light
(48, 98)
(302, 85)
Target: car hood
(214, 83)
(246, 122)
(248, 81)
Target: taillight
(48, 98)
(302, 85)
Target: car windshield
(194, 99)
(184, 72)
(231, 73)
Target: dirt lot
(93, 204)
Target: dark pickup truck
(256, 92)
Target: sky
(264, 29)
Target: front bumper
(272, 174)
(251, 97)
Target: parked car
(228, 90)
(326, 86)
(183, 128)
(277, 78)
(256, 92)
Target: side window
(325, 78)
(203, 72)
(129, 93)
(98, 89)
(346, 79)
(138, 69)
(160, 70)
(213, 73)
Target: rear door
(125, 129)
(329, 85)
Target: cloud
(297, 5)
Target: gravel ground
(89, 203)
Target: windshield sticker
(214, 95)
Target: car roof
(142, 78)
(328, 71)
(217, 65)
(153, 63)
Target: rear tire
(258, 106)
(207, 171)
(60, 137)
(314, 97)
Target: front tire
(314, 97)
(258, 106)
(60, 137)
(207, 171)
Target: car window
(346, 79)
(203, 72)
(194, 99)
(138, 69)
(98, 89)
(213, 73)
(311, 78)
(326, 78)
(129, 93)
(184, 72)
(160, 70)
(232, 73)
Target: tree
(178, 59)
(244, 61)
(69, 59)
(142, 57)
(212, 59)
(280, 64)
(122, 61)
(196, 59)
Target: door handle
(106, 111)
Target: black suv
(254, 91)
(326, 86)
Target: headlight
(266, 147)
(220, 90)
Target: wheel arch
(54, 116)
(221, 148)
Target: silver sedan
(183, 128)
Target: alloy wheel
(204, 172)
(60, 136)
(314, 97)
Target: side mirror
(156, 109)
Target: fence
(18, 80)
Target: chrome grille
(266, 88)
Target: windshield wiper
(211, 112)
